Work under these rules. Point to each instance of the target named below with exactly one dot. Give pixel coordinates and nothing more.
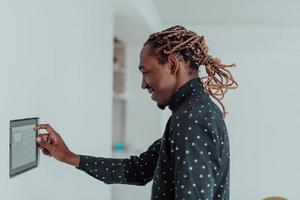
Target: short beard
(161, 106)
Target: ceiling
(229, 12)
(136, 19)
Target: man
(191, 160)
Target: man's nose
(144, 84)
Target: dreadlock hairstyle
(194, 51)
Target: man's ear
(174, 63)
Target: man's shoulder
(201, 111)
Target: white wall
(56, 64)
(264, 112)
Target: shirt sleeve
(194, 155)
(136, 170)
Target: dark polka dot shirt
(190, 161)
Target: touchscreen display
(23, 147)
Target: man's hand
(53, 145)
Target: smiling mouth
(150, 90)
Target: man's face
(157, 78)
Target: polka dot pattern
(190, 161)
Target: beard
(161, 106)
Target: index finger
(44, 126)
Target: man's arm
(136, 170)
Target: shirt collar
(188, 89)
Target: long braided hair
(194, 51)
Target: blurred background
(74, 64)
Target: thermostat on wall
(23, 151)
